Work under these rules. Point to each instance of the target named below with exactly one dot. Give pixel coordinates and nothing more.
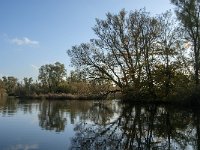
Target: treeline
(144, 55)
(140, 54)
(52, 79)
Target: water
(62, 125)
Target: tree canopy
(51, 75)
(136, 51)
(188, 12)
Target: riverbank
(63, 96)
(192, 100)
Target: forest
(52, 81)
(143, 56)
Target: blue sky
(38, 32)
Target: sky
(38, 32)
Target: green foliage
(77, 76)
(2, 88)
(63, 87)
(51, 75)
(10, 84)
(28, 85)
(79, 84)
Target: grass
(63, 96)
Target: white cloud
(24, 41)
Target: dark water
(62, 125)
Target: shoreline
(187, 101)
(63, 97)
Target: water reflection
(54, 115)
(98, 125)
(50, 117)
(99, 113)
(196, 124)
(142, 127)
(8, 106)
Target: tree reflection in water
(140, 127)
(54, 115)
(109, 125)
(8, 106)
(50, 116)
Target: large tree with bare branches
(128, 49)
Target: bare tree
(188, 12)
(123, 52)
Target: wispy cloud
(35, 67)
(24, 147)
(24, 41)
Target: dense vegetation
(145, 55)
(52, 79)
(139, 54)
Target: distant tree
(77, 76)
(1, 84)
(10, 84)
(2, 89)
(188, 12)
(63, 87)
(51, 75)
(27, 85)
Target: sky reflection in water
(31, 125)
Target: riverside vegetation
(146, 57)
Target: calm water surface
(63, 125)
